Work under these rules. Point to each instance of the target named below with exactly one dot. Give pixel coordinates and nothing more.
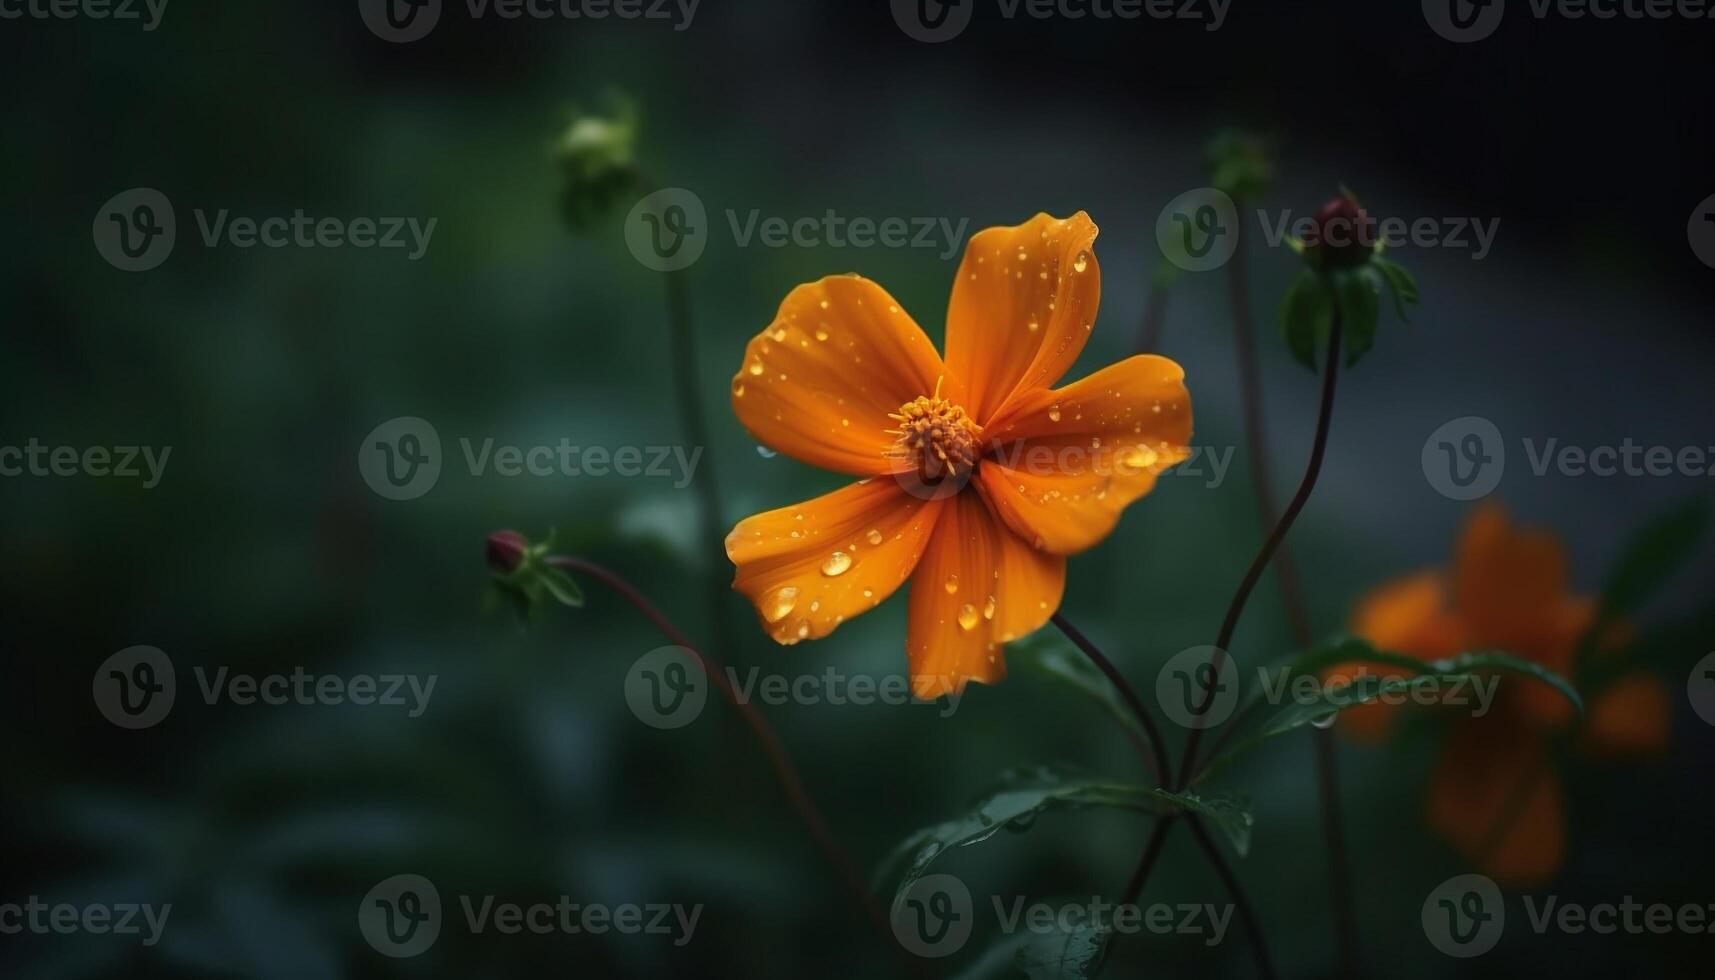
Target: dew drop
(968, 617)
(1054, 414)
(837, 564)
(952, 584)
(756, 367)
(782, 604)
(988, 608)
(874, 536)
(765, 452)
(1082, 262)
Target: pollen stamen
(938, 437)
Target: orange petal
(1065, 463)
(820, 381)
(1630, 718)
(1022, 305)
(1408, 616)
(1509, 584)
(1496, 797)
(977, 587)
(810, 567)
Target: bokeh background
(529, 778)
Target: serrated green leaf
(1075, 954)
(1359, 292)
(1306, 316)
(1028, 793)
(1429, 676)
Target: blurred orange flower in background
(1495, 794)
(976, 474)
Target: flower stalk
(785, 772)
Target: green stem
(1297, 613)
(784, 771)
(688, 394)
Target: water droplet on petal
(952, 584)
(1054, 414)
(988, 608)
(968, 618)
(782, 604)
(756, 367)
(874, 536)
(765, 452)
(1082, 262)
(837, 564)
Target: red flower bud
(1343, 236)
(506, 551)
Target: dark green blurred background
(528, 777)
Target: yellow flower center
(936, 436)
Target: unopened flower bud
(1343, 235)
(506, 550)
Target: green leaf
(1028, 793)
(1359, 293)
(561, 586)
(1047, 654)
(1306, 316)
(1400, 284)
(1074, 955)
(1428, 677)
(1658, 550)
(1077, 954)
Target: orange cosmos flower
(975, 474)
(1495, 795)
